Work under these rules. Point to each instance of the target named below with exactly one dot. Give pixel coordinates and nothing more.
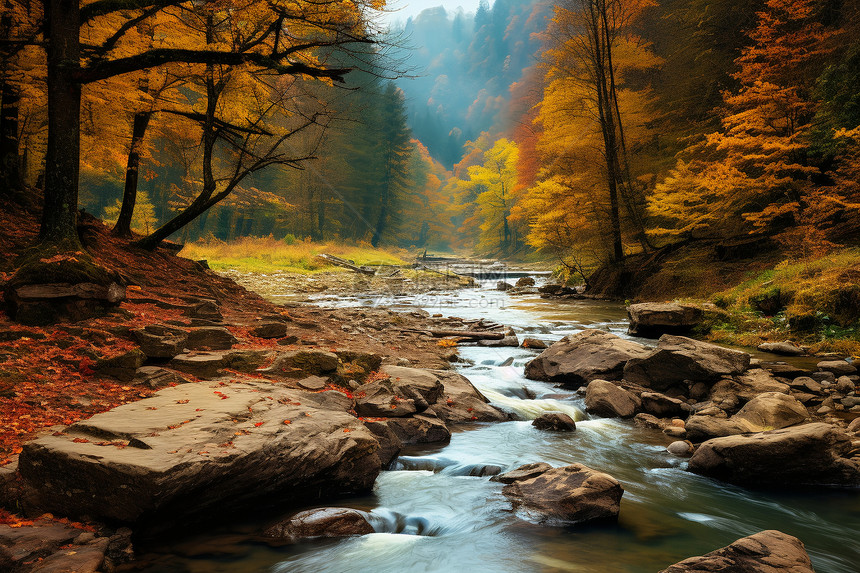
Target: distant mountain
(465, 64)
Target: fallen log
(447, 274)
(474, 335)
(339, 262)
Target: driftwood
(448, 274)
(337, 261)
(473, 334)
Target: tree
(281, 38)
(755, 171)
(396, 149)
(586, 37)
(494, 181)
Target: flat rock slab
(50, 546)
(810, 454)
(765, 552)
(210, 338)
(567, 495)
(678, 359)
(579, 358)
(202, 448)
(212, 364)
(837, 367)
(653, 319)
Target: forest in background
(583, 131)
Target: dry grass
(267, 254)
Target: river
(433, 518)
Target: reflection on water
(442, 513)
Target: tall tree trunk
(320, 218)
(132, 171)
(62, 169)
(9, 161)
(601, 45)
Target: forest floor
(764, 295)
(56, 375)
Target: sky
(403, 9)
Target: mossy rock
(806, 322)
(52, 285)
(846, 305)
(770, 302)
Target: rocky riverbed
(266, 407)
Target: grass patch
(267, 255)
(815, 302)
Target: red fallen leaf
(223, 397)
(289, 422)
(347, 430)
(450, 402)
(393, 406)
(474, 418)
(198, 409)
(151, 408)
(258, 424)
(203, 452)
(182, 401)
(470, 409)
(81, 441)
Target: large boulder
(323, 522)
(664, 406)
(567, 495)
(605, 399)
(768, 411)
(386, 399)
(424, 428)
(785, 348)
(810, 454)
(732, 393)
(416, 383)
(765, 552)
(678, 360)
(461, 402)
(554, 421)
(653, 319)
(579, 358)
(200, 449)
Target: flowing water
(433, 513)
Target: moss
(46, 264)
